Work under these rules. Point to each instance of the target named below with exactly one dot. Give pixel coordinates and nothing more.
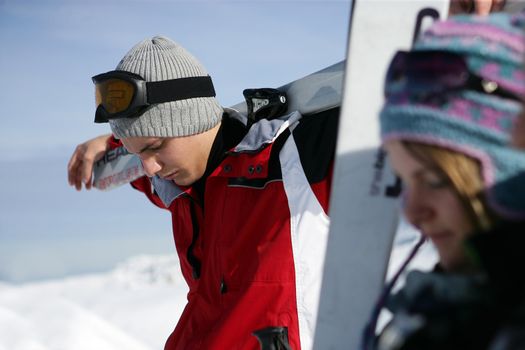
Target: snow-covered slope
(133, 307)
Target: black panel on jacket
(230, 133)
(316, 137)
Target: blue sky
(51, 48)
(49, 51)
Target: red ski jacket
(252, 253)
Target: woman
(450, 105)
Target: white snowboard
(363, 207)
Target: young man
(249, 205)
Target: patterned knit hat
(473, 122)
(159, 59)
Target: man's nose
(151, 165)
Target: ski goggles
(121, 94)
(424, 74)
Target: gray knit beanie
(159, 59)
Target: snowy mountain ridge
(144, 270)
(133, 307)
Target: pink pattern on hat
(491, 119)
(490, 69)
(518, 75)
(490, 32)
(461, 109)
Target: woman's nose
(417, 208)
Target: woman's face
(432, 205)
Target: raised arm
(80, 166)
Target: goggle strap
(179, 89)
(409, 61)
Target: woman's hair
(464, 173)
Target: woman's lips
(439, 236)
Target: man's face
(179, 159)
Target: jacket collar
(260, 135)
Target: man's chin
(183, 178)
(182, 181)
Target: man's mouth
(169, 176)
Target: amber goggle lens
(114, 95)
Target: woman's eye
(437, 183)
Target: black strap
(190, 255)
(179, 89)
